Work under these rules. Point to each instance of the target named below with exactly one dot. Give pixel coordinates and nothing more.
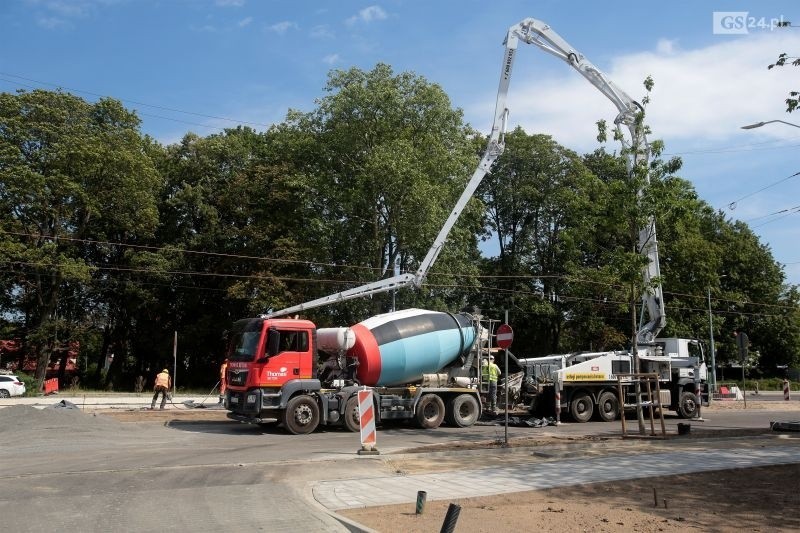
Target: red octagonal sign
(504, 336)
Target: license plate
(251, 398)
(234, 399)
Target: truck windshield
(696, 350)
(243, 339)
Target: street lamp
(711, 337)
(759, 124)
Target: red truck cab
(264, 356)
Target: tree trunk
(101, 358)
(43, 352)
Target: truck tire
(687, 405)
(463, 411)
(352, 421)
(430, 411)
(581, 407)
(301, 415)
(607, 407)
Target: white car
(11, 386)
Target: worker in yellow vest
(162, 386)
(223, 384)
(491, 373)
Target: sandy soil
(158, 416)
(753, 499)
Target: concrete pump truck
(587, 383)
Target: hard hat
(166, 371)
(491, 358)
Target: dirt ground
(753, 499)
(158, 416)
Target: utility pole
(713, 351)
(637, 367)
(175, 364)
(505, 370)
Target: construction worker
(491, 373)
(162, 386)
(223, 386)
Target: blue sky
(186, 65)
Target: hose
(169, 397)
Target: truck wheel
(301, 415)
(687, 405)
(351, 419)
(463, 411)
(430, 411)
(607, 407)
(581, 407)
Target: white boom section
(494, 148)
(536, 32)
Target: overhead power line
(754, 147)
(350, 283)
(735, 203)
(135, 102)
(186, 251)
(786, 213)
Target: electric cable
(162, 108)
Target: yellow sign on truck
(584, 376)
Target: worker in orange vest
(162, 386)
(223, 385)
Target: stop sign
(504, 336)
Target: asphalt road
(214, 475)
(772, 396)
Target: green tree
(386, 156)
(231, 232)
(794, 96)
(71, 172)
(540, 201)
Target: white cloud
(665, 46)
(68, 9)
(331, 59)
(245, 21)
(367, 15)
(61, 13)
(282, 27)
(707, 93)
(206, 28)
(51, 22)
(322, 31)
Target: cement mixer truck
(421, 366)
(403, 355)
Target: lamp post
(759, 124)
(711, 337)
(713, 352)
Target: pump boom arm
(637, 152)
(538, 33)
